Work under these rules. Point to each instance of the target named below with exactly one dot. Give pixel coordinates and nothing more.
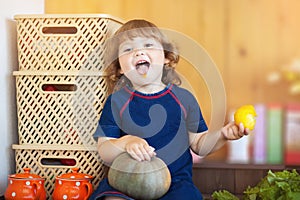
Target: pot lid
(75, 175)
(25, 175)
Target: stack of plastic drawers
(60, 93)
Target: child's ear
(121, 71)
(167, 61)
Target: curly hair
(131, 29)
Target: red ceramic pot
(73, 186)
(25, 186)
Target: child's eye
(127, 49)
(148, 45)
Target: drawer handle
(53, 87)
(58, 162)
(59, 30)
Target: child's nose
(139, 52)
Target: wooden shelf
(222, 165)
(235, 178)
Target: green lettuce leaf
(223, 195)
(282, 185)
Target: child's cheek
(125, 63)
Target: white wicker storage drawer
(63, 42)
(58, 107)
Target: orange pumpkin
(139, 179)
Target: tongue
(142, 69)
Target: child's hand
(233, 132)
(138, 148)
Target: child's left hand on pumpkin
(138, 148)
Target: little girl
(147, 114)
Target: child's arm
(208, 142)
(138, 148)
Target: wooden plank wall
(192, 18)
(262, 38)
(247, 39)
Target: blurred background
(252, 42)
(255, 44)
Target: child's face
(142, 60)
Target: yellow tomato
(246, 114)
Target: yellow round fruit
(245, 114)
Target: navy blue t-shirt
(163, 119)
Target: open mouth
(142, 67)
